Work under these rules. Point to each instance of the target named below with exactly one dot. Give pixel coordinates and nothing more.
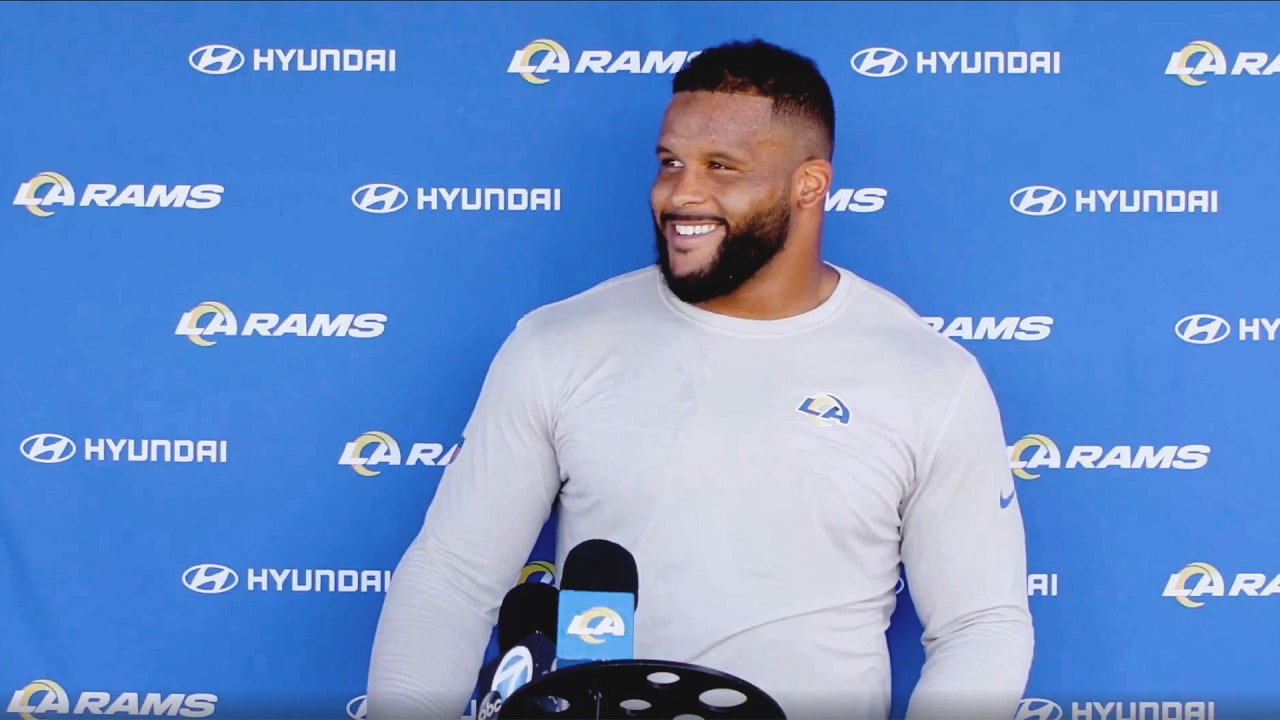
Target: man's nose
(688, 190)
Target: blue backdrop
(259, 255)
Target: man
(768, 434)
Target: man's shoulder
(885, 318)
(606, 303)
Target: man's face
(721, 199)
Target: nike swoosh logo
(1006, 499)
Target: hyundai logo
(210, 578)
(878, 62)
(1202, 329)
(902, 585)
(379, 198)
(48, 448)
(1038, 709)
(356, 708)
(1038, 200)
(216, 59)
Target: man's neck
(778, 295)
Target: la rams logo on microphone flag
(595, 626)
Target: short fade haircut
(756, 67)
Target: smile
(688, 236)
(694, 230)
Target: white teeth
(694, 229)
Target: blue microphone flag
(594, 626)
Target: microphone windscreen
(599, 565)
(527, 608)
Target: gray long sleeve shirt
(768, 476)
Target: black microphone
(526, 645)
(599, 593)
(527, 608)
(600, 565)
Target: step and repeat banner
(257, 257)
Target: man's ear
(811, 182)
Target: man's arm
(492, 501)
(964, 551)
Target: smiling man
(769, 434)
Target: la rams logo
(538, 571)
(825, 410)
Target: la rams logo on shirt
(825, 410)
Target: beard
(745, 249)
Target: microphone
(599, 592)
(527, 608)
(526, 645)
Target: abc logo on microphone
(489, 705)
(515, 670)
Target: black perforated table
(639, 689)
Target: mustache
(665, 218)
